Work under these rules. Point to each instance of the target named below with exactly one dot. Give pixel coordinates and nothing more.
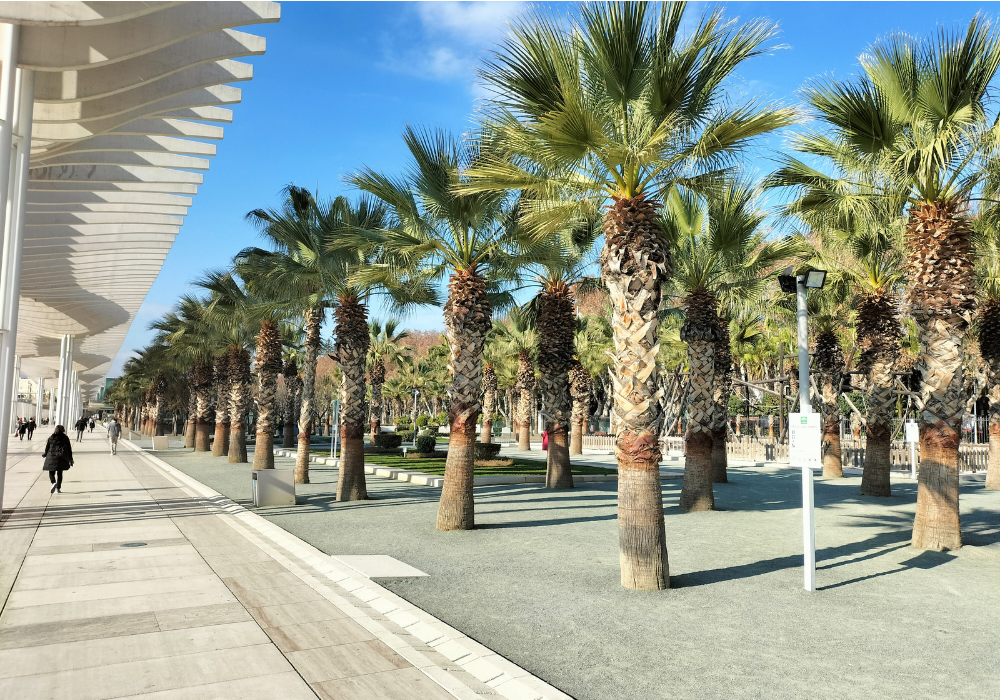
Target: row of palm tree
(615, 126)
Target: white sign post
(913, 437)
(805, 450)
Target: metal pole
(416, 393)
(40, 400)
(808, 500)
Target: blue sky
(341, 79)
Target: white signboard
(805, 440)
(912, 432)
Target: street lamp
(804, 430)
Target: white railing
(971, 457)
(598, 442)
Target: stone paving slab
(139, 582)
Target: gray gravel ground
(538, 582)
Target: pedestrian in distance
(114, 432)
(91, 424)
(17, 427)
(58, 457)
(31, 427)
(81, 425)
(22, 428)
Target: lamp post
(804, 431)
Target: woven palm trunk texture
(635, 264)
(467, 320)
(268, 364)
(352, 353)
(489, 403)
(942, 298)
(579, 387)
(314, 322)
(556, 326)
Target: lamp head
(786, 280)
(815, 279)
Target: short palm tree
(611, 112)
(472, 240)
(723, 257)
(920, 114)
(384, 351)
(988, 330)
(516, 337)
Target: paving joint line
(491, 671)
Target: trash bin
(273, 487)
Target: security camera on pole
(805, 432)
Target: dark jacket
(58, 453)
(81, 424)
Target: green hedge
(405, 435)
(488, 450)
(426, 444)
(388, 441)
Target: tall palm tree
(920, 112)
(610, 112)
(517, 337)
(384, 351)
(579, 387)
(722, 257)
(471, 239)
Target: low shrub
(487, 450)
(405, 435)
(426, 444)
(422, 421)
(403, 423)
(428, 432)
(388, 441)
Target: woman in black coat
(58, 457)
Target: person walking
(58, 457)
(114, 432)
(91, 424)
(22, 428)
(31, 427)
(81, 425)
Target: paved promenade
(139, 582)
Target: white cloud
(470, 22)
(454, 37)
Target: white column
(40, 400)
(805, 408)
(74, 399)
(13, 192)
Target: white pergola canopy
(120, 89)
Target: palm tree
(612, 111)
(723, 258)
(471, 239)
(384, 351)
(233, 316)
(579, 387)
(919, 113)
(517, 337)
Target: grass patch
(520, 467)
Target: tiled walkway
(138, 581)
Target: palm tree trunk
(352, 352)
(881, 399)
(579, 387)
(203, 407)
(288, 409)
(942, 299)
(467, 320)
(268, 365)
(192, 412)
(158, 428)
(525, 388)
(220, 446)
(635, 264)
(556, 326)
(489, 403)
(833, 466)
(696, 489)
(314, 322)
(239, 394)
(376, 375)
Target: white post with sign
(913, 437)
(805, 443)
